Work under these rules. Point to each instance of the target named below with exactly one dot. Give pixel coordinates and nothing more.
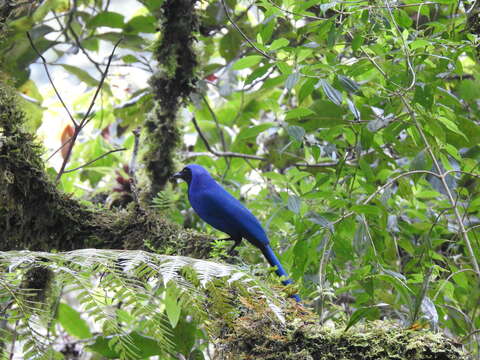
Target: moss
(37, 281)
(171, 87)
(256, 333)
(253, 335)
(34, 215)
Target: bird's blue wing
(221, 210)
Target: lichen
(171, 86)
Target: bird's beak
(177, 175)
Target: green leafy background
(362, 119)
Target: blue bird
(221, 210)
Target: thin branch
(94, 160)
(442, 176)
(446, 282)
(473, 227)
(60, 148)
(294, 13)
(386, 185)
(82, 49)
(263, 53)
(229, 154)
(440, 173)
(86, 117)
(223, 153)
(461, 172)
(217, 124)
(50, 79)
(469, 334)
(405, 49)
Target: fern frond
(164, 200)
(103, 282)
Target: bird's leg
(235, 244)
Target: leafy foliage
(349, 128)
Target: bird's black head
(185, 174)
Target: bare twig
(85, 52)
(469, 334)
(263, 53)
(440, 173)
(386, 185)
(50, 79)
(294, 13)
(92, 161)
(442, 176)
(229, 154)
(405, 48)
(260, 79)
(86, 117)
(473, 227)
(223, 153)
(60, 148)
(217, 124)
(461, 172)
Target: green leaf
(72, 322)
(128, 41)
(353, 109)
(129, 59)
(419, 43)
(363, 313)
(306, 89)
(292, 80)
(230, 45)
(399, 284)
(81, 74)
(326, 114)
(140, 345)
(320, 220)
(333, 94)
(196, 354)
(402, 18)
(253, 131)
(247, 62)
(367, 210)
(297, 132)
(298, 113)
(294, 203)
(108, 19)
(348, 84)
(172, 307)
(258, 72)
(278, 44)
(184, 335)
(142, 23)
(357, 42)
(450, 125)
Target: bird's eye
(187, 175)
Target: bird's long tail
(280, 271)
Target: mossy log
(34, 215)
(256, 336)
